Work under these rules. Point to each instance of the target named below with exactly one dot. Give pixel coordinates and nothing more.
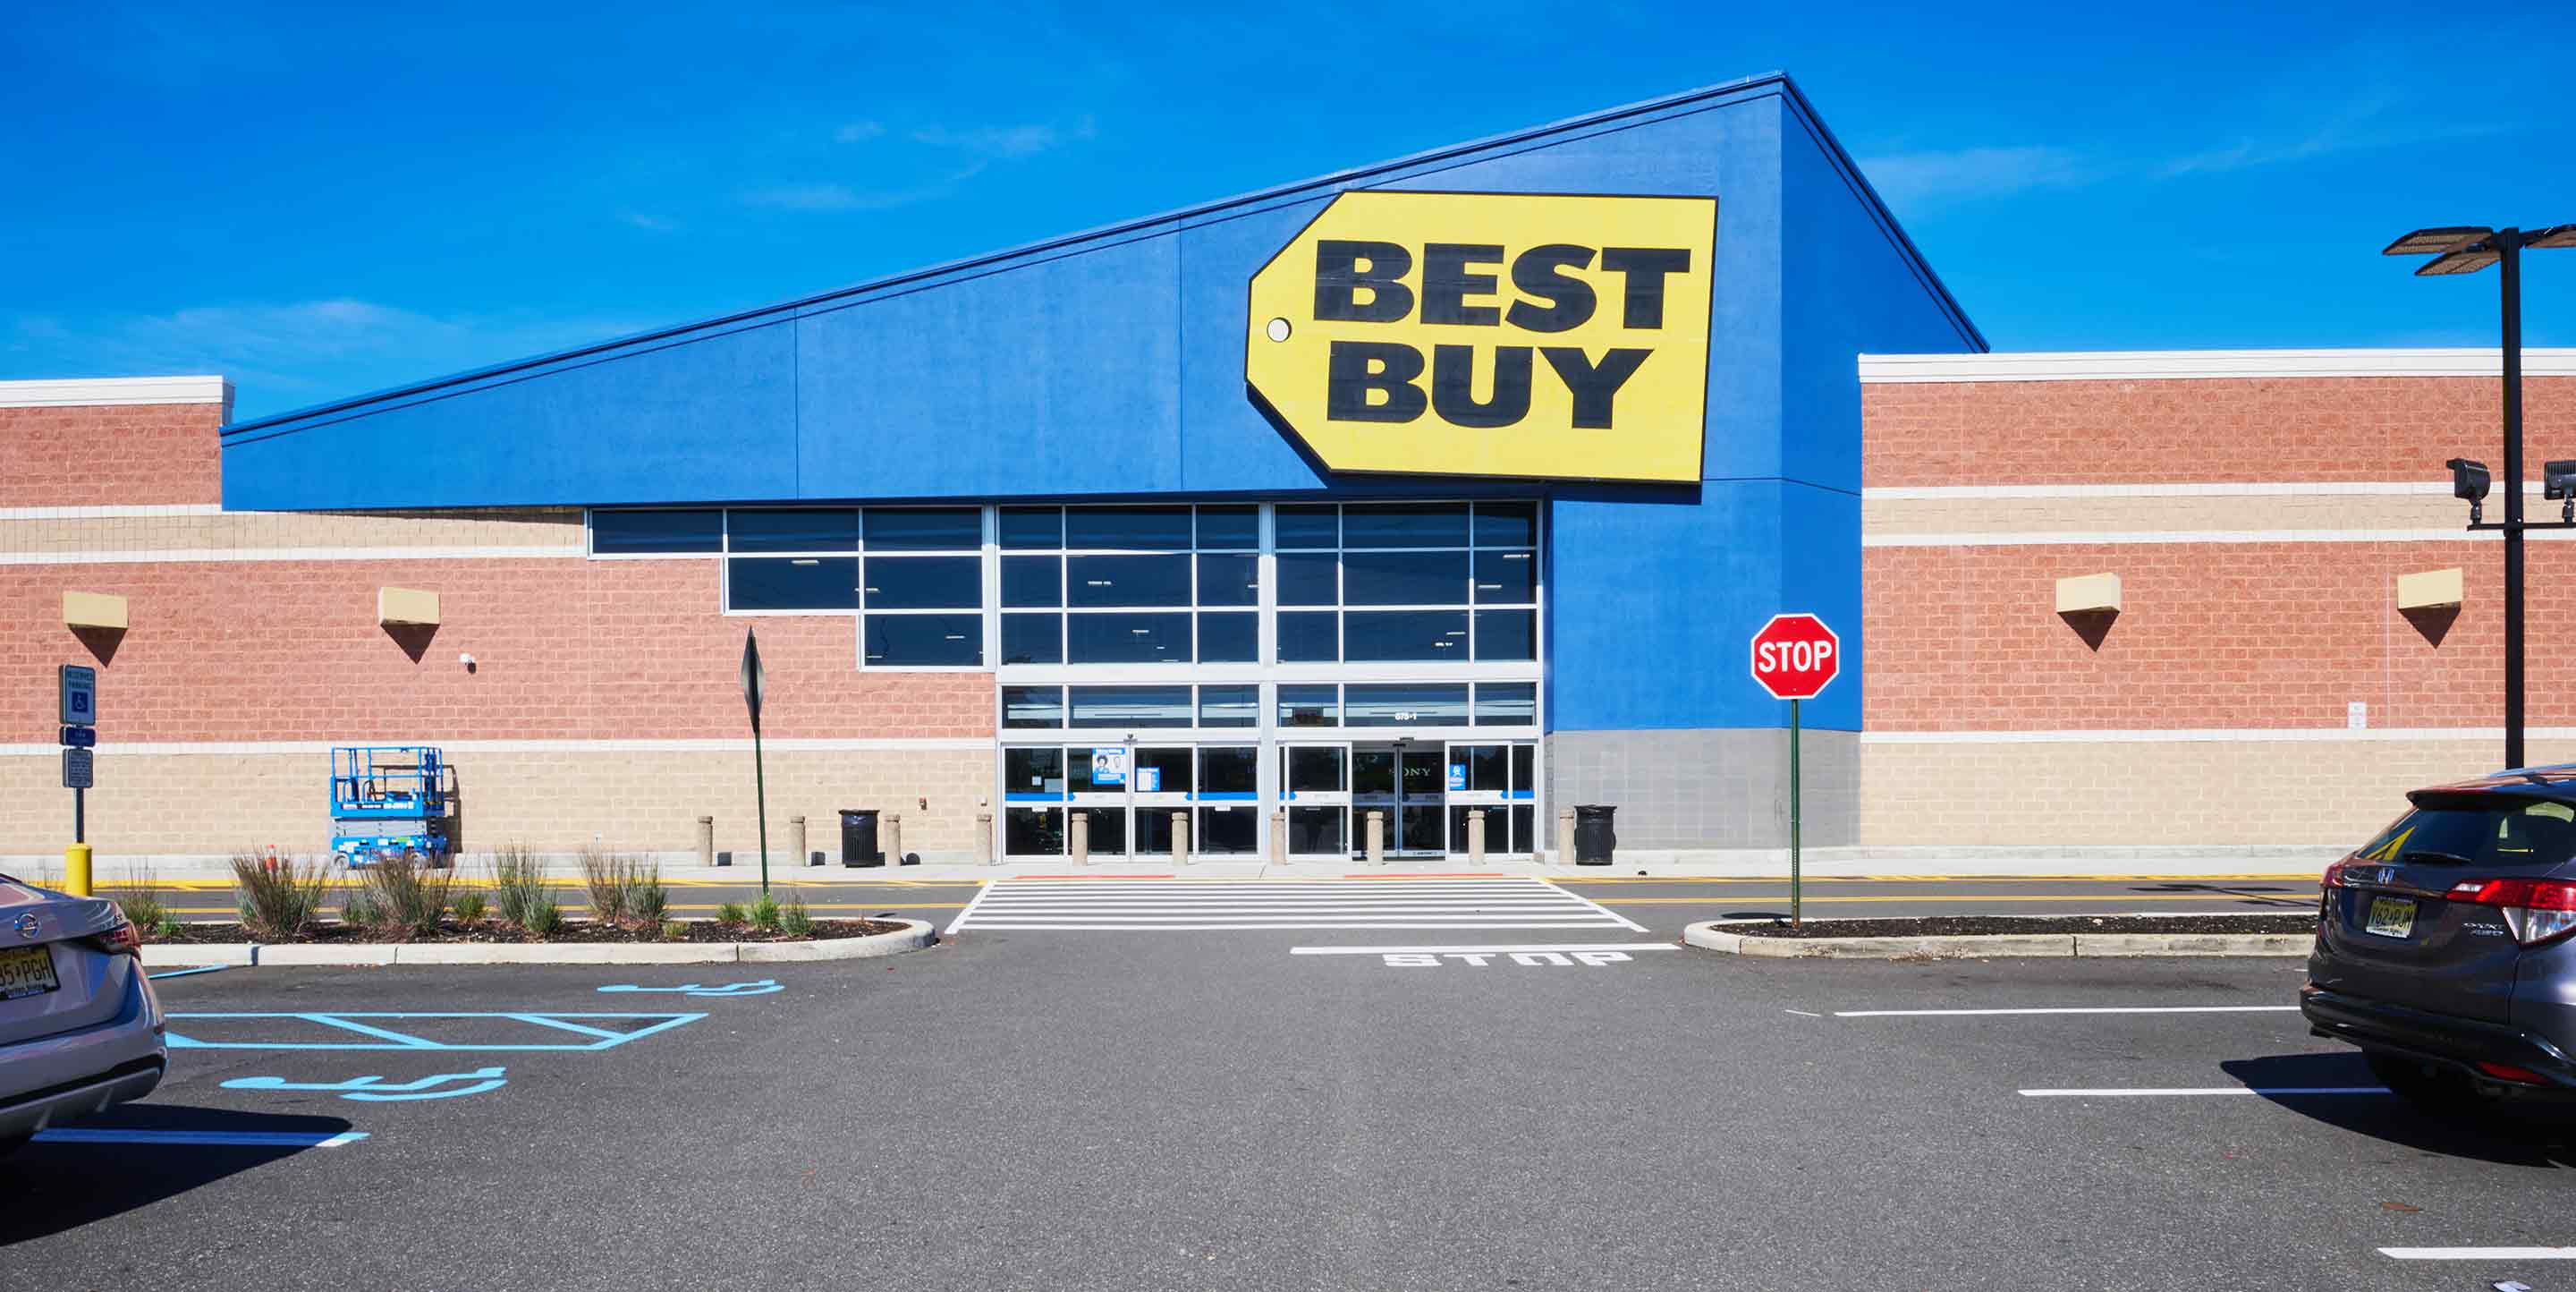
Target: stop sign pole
(755, 689)
(1795, 656)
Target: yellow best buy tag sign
(1491, 334)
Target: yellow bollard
(76, 870)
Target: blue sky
(324, 200)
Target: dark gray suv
(2443, 945)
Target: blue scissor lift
(390, 801)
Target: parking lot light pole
(2466, 249)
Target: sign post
(77, 685)
(1794, 657)
(755, 683)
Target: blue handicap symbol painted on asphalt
(550, 1025)
(374, 1089)
(761, 988)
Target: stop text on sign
(1527, 335)
(1795, 656)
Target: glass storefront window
(1506, 524)
(1130, 707)
(1310, 705)
(1506, 704)
(1032, 581)
(1229, 772)
(1405, 524)
(1035, 832)
(1229, 639)
(925, 582)
(1032, 639)
(1309, 637)
(924, 529)
(1315, 769)
(1406, 704)
(1167, 769)
(1404, 578)
(1234, 528)
(656, 533)
(793, 530)
(1307, 525)
(1128, 639)
(1404, 635)
(1316, 830)
(1229, 580)
(922, 641)
(1036, 770)
(1025, 528)
(1228, 831)
(1506, 578)
(1127, 580)
(1229, 706)
(1507, 634)
(1309, 578)
(792, 583)
(1032, 706)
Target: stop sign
(1794, 656)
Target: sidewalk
(1820, 863)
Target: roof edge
(1879, 210)
(93, 392)
(1344, 178)
(2136, 365)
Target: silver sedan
(80, 1029)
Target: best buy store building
(1450, 484)
(1457, 481)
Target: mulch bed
(572, 931)
(1935, 926)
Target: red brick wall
(124, 455)
(2199, 430)
(566, 649)
(2214, 635)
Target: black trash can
(859, 838)
(1594, 837)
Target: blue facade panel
(713, 419)
(1048, 376)
(1112, 365)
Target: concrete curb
(916, 935)
(1711, 935)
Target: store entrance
(1402, 779)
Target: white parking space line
(1503, 948)
(2480, 1253)
(218, 1139)
(2080, 1009)
(2205, 1090)
(1131, 906)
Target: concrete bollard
(1476, 835)
(1180, 838)
(706, 841)
(1080, 838)
(983, 838)
(796, 840)
(1565, 836)
(894, 838)
(1278, 837)
(1376, 837)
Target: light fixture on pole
(2466, 249)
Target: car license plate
(26, 971)
(2390, 917)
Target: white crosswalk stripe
(1183, 905)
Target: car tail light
(2333, 877)
(2537, 910)
(2508, 1072)
(2332, 880)
(123, 940)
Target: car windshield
(2506, 834)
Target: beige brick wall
(210, 804)
(2156, 793)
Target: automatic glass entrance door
(1404, 779)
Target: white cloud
(969, 152)
(1923, 179)
(281, 354)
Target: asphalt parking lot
(1275, 1107)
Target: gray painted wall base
(1714, 789)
